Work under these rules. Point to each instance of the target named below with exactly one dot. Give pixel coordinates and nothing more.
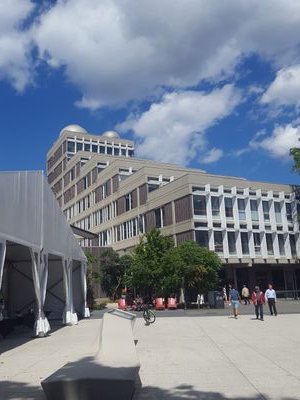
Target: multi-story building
(103, 188)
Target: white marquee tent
(42, 267)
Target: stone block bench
(110, 375)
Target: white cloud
(15, 63)
(285, 89)
(117, 51)
(212, 155)
(279, 143)
(173, 130)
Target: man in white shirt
(270, 296)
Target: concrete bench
(110, 375)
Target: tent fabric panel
(55, 295)
(58, 236)
(21, 206)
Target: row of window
(239, 191)
(102, 148)
(202, 238)
(200, 208)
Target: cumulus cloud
(279, 143)
(285, 89)
(212, 155)
(173, 130)
(15, 61)
(117, 51)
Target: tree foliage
(295, 153)
(157, 266)
(147, 258)
(112, 271)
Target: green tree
(112, 270)
(197, 266)
(145, 269)
(92, 276)
(295, 153)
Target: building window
(218, 238)
(202, 238)
(123, 152)
(71, 147)
(257, 243)
(128, 202)
(215, 206)
(228, 207)
(158, 219)
(245, 242)
(289, 213)
(109, 150)
(242, 207)
(277, 208)
(199, 205)
(87, 147)
(269, 241)
(266, 210)
(130, 153)
(293, 245)
(281, 244)
(254, 210)
(94, 148)
(79, 146)
(116, 151)
(231, 242)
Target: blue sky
(207, 84)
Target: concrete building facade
(101, 187)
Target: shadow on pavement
(10, 390)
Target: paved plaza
(182, 357)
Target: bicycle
(148, 315)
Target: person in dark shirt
(234, 299)
(258, 299)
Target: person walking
(246, 295)
(234, 299)
(258, 299)
(270, 296)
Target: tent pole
(40, 279)
(86, 311)
(2, 261)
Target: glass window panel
(289, 214)
(266, 210)
(245, 242)
(87, 147)
(293, 245)
(269, 240)
(79, 146)
(218, 238)
(254, 210)
(242, 207)
(109, 150)
(228, 207)
(215, 205)
(199, 205)
(202, 238)
(257, 243)
(277, 208)
(71, 147)
(231, 242)
(116, 151)
(281, 245)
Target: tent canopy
(30, 215)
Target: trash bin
(215, 299)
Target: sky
(207, 84)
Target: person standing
(246, 295)
(270, 296)
(258, 299)
(234, 299)
(224, 294)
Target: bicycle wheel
(151, 317)
(146, 316)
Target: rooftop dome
(111, 134)
(73, 128)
